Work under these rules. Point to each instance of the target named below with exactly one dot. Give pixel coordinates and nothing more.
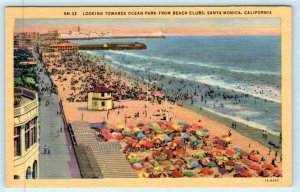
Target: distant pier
(112, 46)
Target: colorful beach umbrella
(268, 166)
(167, 139)
(194, 164)
(143, 174)
(140, 135)
(222, 170)
(185, 135)
(246, 173)
(137, 166)
(176, 174)
(254, 167)
(189, 174)
(204, 130)
(237, 149)
(133, 160)
(200, 155)
(255, 158)
(211, 164)
(206, 171)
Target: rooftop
(100, 90)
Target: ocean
(233, 76)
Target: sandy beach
(74, 75)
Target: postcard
(148, 96)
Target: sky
(193, 27)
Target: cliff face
(113, 46)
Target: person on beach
(61, 129)
(45, 149)
(49, 150)
(269, 151)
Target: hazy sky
(198, 27)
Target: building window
(28, 173)
(17, 141)
(102, 94)
(34, 171)
(103, 104)
(30, 133)
(95, 103)
(16, 177)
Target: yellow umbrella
(120, 126)
(158, 168)
(136, 129)
(224, 158)
(176, 127)
(143, 174)
(227, 139)
(131, 155)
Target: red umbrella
(130, 126)
(118, 136)
(157, 140)
(176, 174)
(206, 171)
(246, 162)
(179, 162)
(220, 147)
(172, 144)
(180, 151)
(277, 172)
(148, 144)
(156, 153)
(136, 145)
(160, 123)
(255, 158)
(215, 153)
(255, 167)
(230, 163)
(268, 166)
(266, 173)
(230, 152)
(131, 141)
(108, 137)
(245, 174)
(244, 153)
(105, 130)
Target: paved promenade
(61, 163)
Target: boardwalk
(110, 159)
(61, 163)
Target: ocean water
(243, 73)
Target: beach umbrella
(168, 131)
(136, 130)
(237, 149)
(185, 135)
(160, 123)
(140, 135)
(244, 154)
(148, 144)
(268, 166)
(211, 164)
(230, 163)
(223, 158)
(182, 123)
(140, 125)
(179, 162)
(178, 138)
(162, 157)
(162, 175)
(246, 162)
(215, 153)
(131, 155)
(220, 147)
(133, 160)
(137, 166)
(143, 174)
(165, 163)
(222, 170)
(117, 136)
(230, 152)
(255, 158)
(176, 174)
(144, 154)
(167, 139)
(155, 126)
(200, 155)
(172, 144)
(204, 130)
(158, 168)
(105, 130)
(206, 171)
(227, 139)
(238, 168)
(235, 156)
(120, 126)
(193, 138)
(246, 173)
(187, 126)
(176, 127)
(195, 143)
(219, 141)
(254, 167)
(154, 163)
(189, 174)
(205, 160)
(194, 164)
(157, 140)
(131, 141)
(127, 133)
(277, 172)
(136, 145)
(170, 168)
(145, 128)
(216, 138)
(130, 126)
(180, 151)
(156, 153)
(108, 137)
(199, 133)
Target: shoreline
(249, 131)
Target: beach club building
(100, 98)
(64, 47)
(26, 135)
